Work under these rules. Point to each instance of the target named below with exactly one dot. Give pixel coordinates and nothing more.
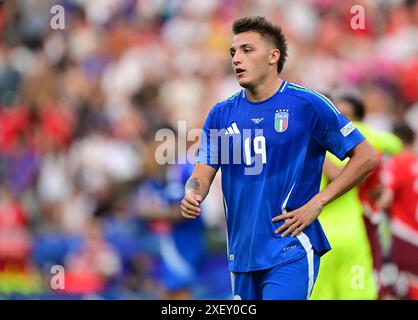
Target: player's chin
(244, 82)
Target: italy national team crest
(281, 120)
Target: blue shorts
(291, 281)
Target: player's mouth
(239, 72)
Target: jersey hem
(251, 269)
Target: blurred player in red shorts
(385, 143)
(401, 200)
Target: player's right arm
(196, 190)
(207, 164)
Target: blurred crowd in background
(79, 109)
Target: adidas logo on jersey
(232, 129)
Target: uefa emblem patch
(281, 120)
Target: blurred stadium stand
(78, 106)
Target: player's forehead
(247, 38)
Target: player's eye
(232, 52)
(247, 50)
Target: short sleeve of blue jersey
(331, 129)
(208, 147)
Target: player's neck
(264, 90)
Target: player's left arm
(335, 133)
(363, 159)
(331, 170)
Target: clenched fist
(190, 205)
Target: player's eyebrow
(241, 46)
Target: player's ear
(274, 56)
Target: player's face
(251, 58)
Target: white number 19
(259, 148)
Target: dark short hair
(356, 104)
(267, 30)
(404, 132)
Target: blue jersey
(271, 155)
(182, 245)
(188, 235)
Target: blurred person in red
(400, 198)
(90, 267)
(15, 239)
(17, 274)
(385, 143)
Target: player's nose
(236, 59)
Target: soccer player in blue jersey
(270, 140)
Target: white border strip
(405, 232)
(173, 259)
(307, 245)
